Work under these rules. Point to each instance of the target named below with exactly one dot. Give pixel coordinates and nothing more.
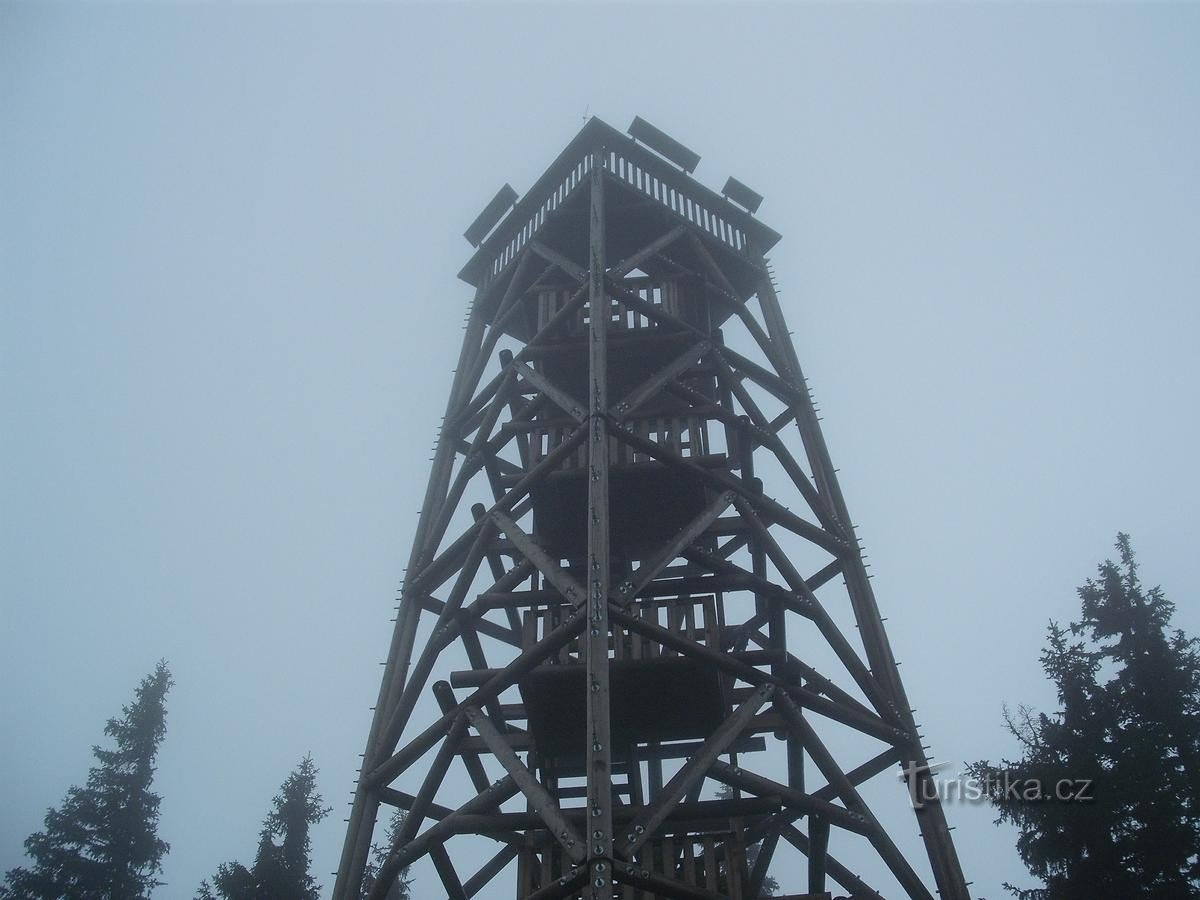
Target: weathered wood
(569, 266)
(675, 790)
(564, 401)
(600, 578)
(636, 876)
(544, 804)
(880, 840)
(598, 833)
(838, 872)
(445, 870)
(686, 818)
(743, 779)
(631, 402)
(653, 567)
(572, 591)
(505, 678)
(631, 262)
(818, 853)
(562, 888)
(726, 482)
(490, 870)
(815, 610)
(400, 857)
(762, 863)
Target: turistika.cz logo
(925, 786)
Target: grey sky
(228, 244)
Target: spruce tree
(1117, 765)
(401, 888)
(102, 842)
(281, 866)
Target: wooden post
(599, 829)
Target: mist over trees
(281, 865)
(1117, 760)
(401, 888)
(102, 840)
(1124, 741)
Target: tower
(585, 654)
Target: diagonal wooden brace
(545, 806)
(561, 398)
(571, 589)
(694, 769)
(572, 268)
(656, 382)
(631, 262)
(651, 569)
(404, 855)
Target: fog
(229, 239)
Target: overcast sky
(229, 235)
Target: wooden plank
(676, 789)
(546, 564)
(543, 803)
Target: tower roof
(640, 169)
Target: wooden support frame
(507, 564)
(598, 738)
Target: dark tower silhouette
(633, 615)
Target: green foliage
(401, 888)
(1128, 721)
(102, 841)
(280, 870)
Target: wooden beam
(401, 857)
(598, 833)
(544, 805)
(573, 592)
(445, 871)
(631, 262)
(676, 789)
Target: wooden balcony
(657, 694)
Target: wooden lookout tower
(637, 653)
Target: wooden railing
(686, 433)
(696, 860)
(683, 203)
(665, 295)
(566, 187)
(633, 164)
(680, 202)
(694, 618)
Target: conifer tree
(1117, 767)
(281, 866)
(401, 888)
(102, 843)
